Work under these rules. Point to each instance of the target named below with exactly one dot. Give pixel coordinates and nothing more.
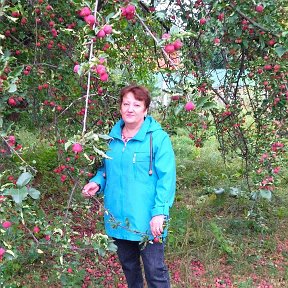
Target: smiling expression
(132, 110)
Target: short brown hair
(140, 93)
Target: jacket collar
(145, 127)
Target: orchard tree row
(62, 65)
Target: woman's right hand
(90, 189)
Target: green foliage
(204, 166)
(46, 106)
(179, 228)
(22, 189)
(245, 284)
(225, 245)
(73, 279)
(44, 158)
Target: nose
(130, 108)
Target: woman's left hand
(156, 225)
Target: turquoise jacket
(132, 196)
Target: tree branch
(144, 6)
(233, 7)
(156, 40)
(89, 74)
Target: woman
(139, 187)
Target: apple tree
(221, 66)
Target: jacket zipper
(134, 158)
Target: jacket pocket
(141, 157)
(141, 164)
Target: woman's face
(132, 111)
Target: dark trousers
(156, 272)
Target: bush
(203, 166)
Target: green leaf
(107, 18)
(58, 231)
(16, 72)
(245, 43)
(24, 179)
(34, 193)
(280, 50)
(115, 15)
(18, 195)
(209, 105)
(179, 108)
(219, 191)
(67, 145)
(10, 255)
(201, 101)
(14, 19)
(105, 137)
(101, 153)
(12, 88)
(266, 194)
(101, 251)
(160, 15)
(234, 191)
(254, 195)
(112, 247)
(174, 30)
(91, 136)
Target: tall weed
(203, 166)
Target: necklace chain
(128, 133)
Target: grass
(229, 246)
(212, 241)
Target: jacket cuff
(101, 181)
(161, 210)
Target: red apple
(77, 148)
(267, 67)
(259, 8)
(100, 69)
(76, 68)
(217, 41)
(101, 34)
(221, 17)
(175, 97)
(15, 14)
(271, 42)
(178, 44)
(189, 106)
(202, 21)
(12, 101)
(47, 237)
(6, 224)
(90, 19)
(166, 36)
(104, 77)
(36, 229)
(156, 240)
(2, 251)
(11, 140)
(169, 48)
(63, 178)
(85, 12)
(107, 29)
